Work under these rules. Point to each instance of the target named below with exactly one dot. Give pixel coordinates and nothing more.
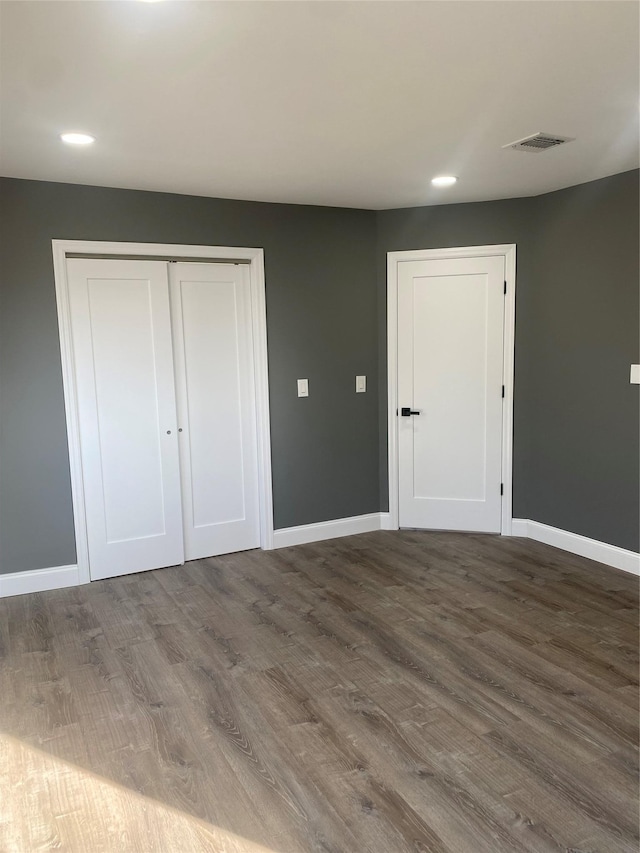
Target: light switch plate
(635, 374)
(303, 387)
(361, 384)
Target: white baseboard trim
(38, 580)
(306, 533)
(520, 527)
(58, 577)
(610, 555)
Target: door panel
(450, 364)
(211, 309)
(121, 333)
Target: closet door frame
(254, 259)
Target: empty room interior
(319, 426)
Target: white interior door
(211, 307)
(450, 376)
(121, 333)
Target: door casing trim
(394, 259)
(255, 260)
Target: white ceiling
(332, 103)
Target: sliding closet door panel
(121, 332)
(214, 407)
(211, 308)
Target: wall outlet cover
(635, 374)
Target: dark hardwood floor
(387, 692)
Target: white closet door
(121, 331)
(211, 308)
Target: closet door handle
(406, 412)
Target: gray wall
(321, 324)
(576, 426)
(576, 416)
(582, 323)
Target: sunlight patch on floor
(50, 804)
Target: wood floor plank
(392, 692)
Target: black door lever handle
(406, 412)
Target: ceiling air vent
(539, 142)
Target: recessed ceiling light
(77, 138)
(444, 181)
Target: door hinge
(503, 391)
(505, 287)
(502, 488)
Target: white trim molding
(306, 533)
(58, 577)
(520, 527)
(255, 260)
(508, 251)
(38, 580)
(592, 549)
